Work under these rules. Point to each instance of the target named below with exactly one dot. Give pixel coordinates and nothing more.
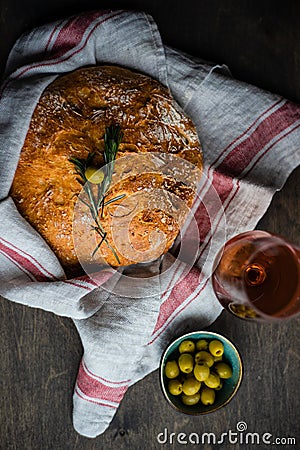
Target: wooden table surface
(40, 352)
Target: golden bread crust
(70, 120)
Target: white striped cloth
(251, 144)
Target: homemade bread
(70, 120)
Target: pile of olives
(198, 372)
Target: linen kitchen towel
(125, 318)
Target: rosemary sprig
(96, 203)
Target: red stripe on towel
(241, 155)
(101, 378)
(51, 35)
(221, 182)
(72, 33)
(178, 311)
(23, 262)
(18, 265)
(37, 263)
(62, 59)
(82, 286)
(247, 131)
(188, 286)
(93, 401)
(94, 388)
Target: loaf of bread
(69, 121)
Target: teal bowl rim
(190, 334)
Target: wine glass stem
(255, 274)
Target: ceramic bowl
(230, 385)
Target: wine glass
(257, 276)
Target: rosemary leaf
(98, 245)
(84, 202)
(112, 139)
(114, 199)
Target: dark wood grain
(40, 352)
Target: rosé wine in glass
(257, 276)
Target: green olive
(251, 313)
(186, 347)
(171, 369)
(216, 347)
(198, 362)
(191, 386)
(212, 381)
(94, 175)
(175, 387)
(220, 385)
(201, 371)
(186, 362)
(223, 370)
(190, 399)
(204, 357)
(202, 344)
(207, 396)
